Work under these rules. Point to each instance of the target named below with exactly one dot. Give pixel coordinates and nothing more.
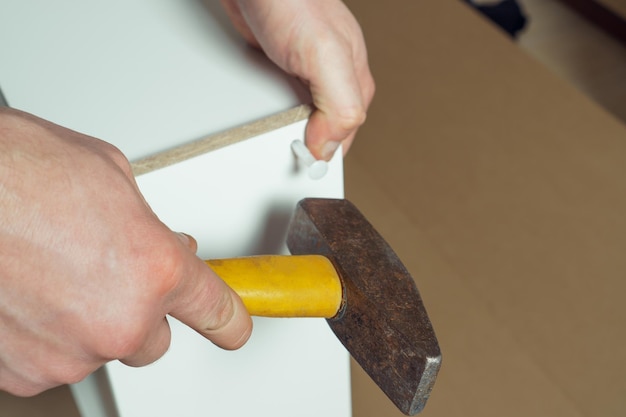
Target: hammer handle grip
(283, 286)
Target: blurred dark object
(605, 17)
(507, 14)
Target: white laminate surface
(149, 75)
(237, 201)
(145, 75)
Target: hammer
(343, 270)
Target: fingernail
(329, 148)
(188, 241)
(183, 238)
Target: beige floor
(557, 37)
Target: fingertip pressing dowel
(316, 168)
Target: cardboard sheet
(504, 190)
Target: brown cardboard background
(504, 191)
(616, 6)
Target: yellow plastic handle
(283, 286)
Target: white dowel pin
(316, 168)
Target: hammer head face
(382, 322)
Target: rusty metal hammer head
(382, 322)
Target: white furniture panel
(145, 75)
(150, 75)
(237, 201)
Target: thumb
(205, 303)
(341, 97)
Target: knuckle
(127, 341)
(158, 272)
(166, 263)
(352, 117)
(118, 335)
(69, 375)
(158, 265)
(118, 158)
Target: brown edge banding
(219, 140)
